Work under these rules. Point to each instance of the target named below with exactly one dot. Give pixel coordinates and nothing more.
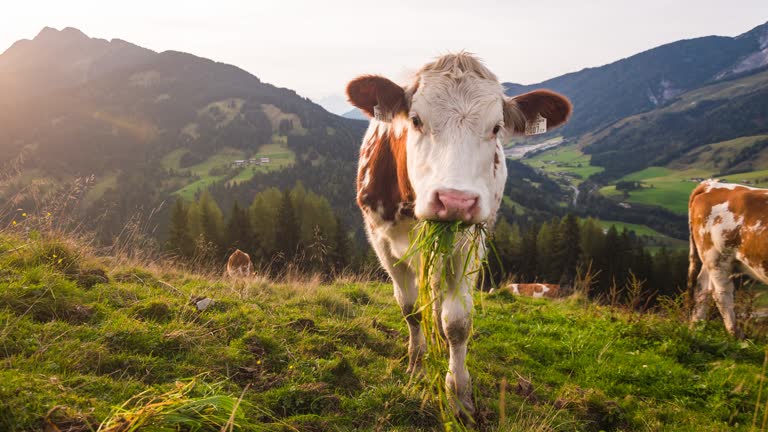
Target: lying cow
(535, 290)
(729, 234)
(433, 150)
(239, 264)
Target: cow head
(451, 121)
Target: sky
(316, 47)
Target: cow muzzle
(452, 205)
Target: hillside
(642, 82)
(150, 127)
(708, 115)
(655, 122)
(86, 334)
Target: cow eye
(496, 129)
(416, 121)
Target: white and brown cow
(433, 150)
(535, 290)
(729, 234)
(239, 264)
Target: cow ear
(377, 97)
(524, 110)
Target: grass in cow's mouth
(434, 244)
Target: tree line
(561, 249)
(278, 229)
(297, 227)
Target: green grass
(333, 356)
(278, 152)
(280, 156)
(103, 183)
(642, 230)
(173, 159)
(567, 159)
(662, 187)
(671, 189)
(714, 157)
(222, 158)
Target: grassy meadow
(564, 160)
(278, 152)
(88, 340)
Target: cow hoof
(464, 411)
(415, 370)
(461, 402)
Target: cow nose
(452, 204)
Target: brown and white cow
(239, 264)
(433, 150)
(729, 234)
(535, 290)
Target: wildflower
(258, 362)
(24, 214)
(48, 214)
(60, 260)
(13, 223)
(54, 256)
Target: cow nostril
(452, 202)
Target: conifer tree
(211, 222)
(341, 246)
(238, 232)
(287, 229)
(180, 238)
(568, 249)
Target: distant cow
(535, 290)
(239, 264)
(728, 228)
(433, 151)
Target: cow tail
(693, 255)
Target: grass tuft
(176, 409)
(437, 247)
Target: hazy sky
(315, 47)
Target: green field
(671, 189)
(222, 159)
(279, 157)
(279, 154)
(103, 182)
(305, 356)
(642, 230)
(564, 160)
(173, 159)
(661, 187)
(714, 157)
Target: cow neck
(383, 183)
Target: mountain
(150, 127)
(708, 115)
(642, 82)
(647, 127)
(355, 114)
(335, 104)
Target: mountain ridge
(647, 79)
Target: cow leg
(437, 303)
(701, 296)
(457, 322)
(407, 295)
(723, 293)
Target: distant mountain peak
(67, 34)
